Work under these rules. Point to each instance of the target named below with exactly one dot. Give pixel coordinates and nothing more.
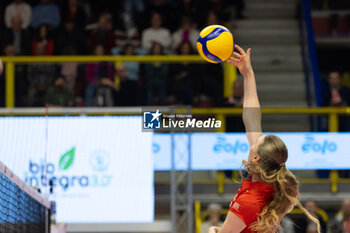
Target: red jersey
(250, 200)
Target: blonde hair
(271, 169)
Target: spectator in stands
(85, 4)
(106, 89)
(155, 74)
(74, 12)
(312, 228)
(43, 43)
(133, 16)
(224, 9)
(189, 8)
(74, 74)
(341, 222)
(235, 123)
(131, 5)
(166, 9)
(19, 9)
(46, 13)
(236, 100)
(185, 34)
(92, 76)
(128, 91)
(214, 214)
(212, 18)
(303, 223)
(336, 95)
(156, 34)
(41, 76)
(132, 73)
(21, 84)
(182, 76)
(18, 37)
(287, 225)
(59, 95)
(102, 35)
(132, 67)
(70, 70)
(72, 37)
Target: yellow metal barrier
(197, 216)
(221, 181)
(10, 85)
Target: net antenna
(46, 184)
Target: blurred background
(96, 63)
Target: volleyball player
(271, 191)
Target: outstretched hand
(241, 60)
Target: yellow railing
(229, 71)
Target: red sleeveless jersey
(250, 200)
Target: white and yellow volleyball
(215, 43)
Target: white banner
(102, 167)
(219, 151)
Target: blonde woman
(271, 190)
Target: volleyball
(215, 43)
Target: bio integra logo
(310, 145)
(60, 178)
(224, 146)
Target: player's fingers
(240, 49)
(234, 59)
(249, 51)
(231, 61)
(235, 54)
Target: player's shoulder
(248, 200)
(247, 207)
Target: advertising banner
(100, 168)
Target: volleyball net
(22, 208)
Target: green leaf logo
(67, 159)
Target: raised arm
(251, 105)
